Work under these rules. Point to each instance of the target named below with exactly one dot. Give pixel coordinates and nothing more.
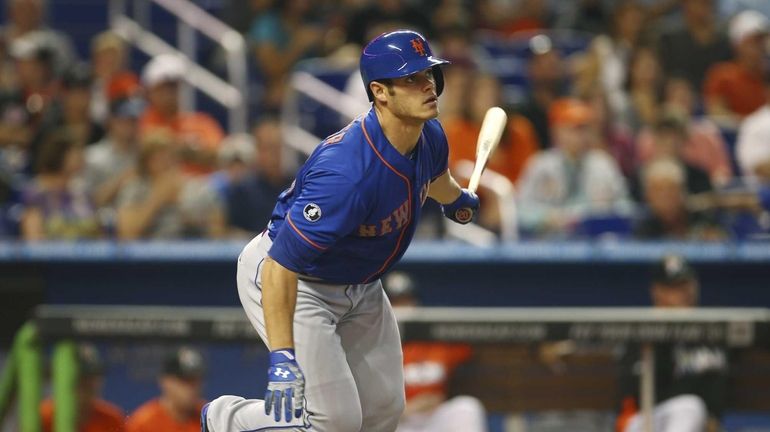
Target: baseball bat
(489, 136)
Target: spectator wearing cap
(547, 83)
(178, 407)
(735, 89)
(690, 380)
(251, 201)
(428, 369)
(93, 413)
(112, 79)
(111, 162)
(666, 215)
(197, 134)
(689, 50)
(26, 19)
(570, 181)
(753, 144)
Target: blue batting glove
(463, 208)
(285, 386)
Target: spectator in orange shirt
(197, 134)
(735, 89)
(518, 143)
(179, 405)
(94, 414)
(428, 367)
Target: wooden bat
(489, 136)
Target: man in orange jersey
(178, 407)
(197, 134)
(94, 414)
(428, 367)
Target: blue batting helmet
(397, 54)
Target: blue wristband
(284, 355)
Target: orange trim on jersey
(312, 243)
(409, 194)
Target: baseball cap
(184, 363)
(747, 23)
(163, 68)
(570, 112)
(672, 269)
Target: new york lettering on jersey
(352, 210)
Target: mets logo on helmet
(418, 46)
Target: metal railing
(305, 84)
(230, 93)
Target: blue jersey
(352, 209)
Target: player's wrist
(282, 355)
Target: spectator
(55, 206)
(112, 79)
(281, 37)
(180, 402)
(735, 89)
(197, 134)
(547, 81)
(667, 215)
(93, 413)
(644, 87)
(386, 15)
(753, 146)
(690, 50)
(615, 52)
(703, 148)
(517, 144)
(250, 203)
(23, 109)
(519, 140)
(72, 110)
(26, 20)
(610, 134)
(570, 181)
(668, 140)
(160, 203)
(690, 380)
(236, 162)
(111, 162)
(428, 368)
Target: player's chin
(429, 111)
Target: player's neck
(403, 135)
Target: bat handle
(473, 184)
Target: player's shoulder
(146, 414)
(344, 153)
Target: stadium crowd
(656, 127)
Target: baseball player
(310, 284)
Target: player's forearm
(279, 297)
(444, 189)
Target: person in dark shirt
(690, 380)
(547, 81)
(689, 51)
(250, 201)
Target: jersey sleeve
(329, 207)
(440, 153)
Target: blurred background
(143, 143)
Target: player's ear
(379, 91)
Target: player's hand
(285, 386)
(463, 208)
